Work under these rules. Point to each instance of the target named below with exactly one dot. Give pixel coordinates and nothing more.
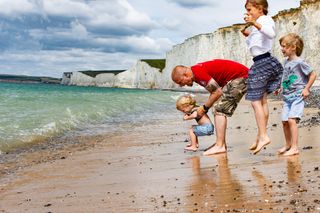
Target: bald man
(226, 81)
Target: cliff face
(139, 76)
(225, 43)
(229, 43)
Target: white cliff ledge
(225, 43)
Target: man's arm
(215, 93)
(214, 96)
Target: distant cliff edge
(28, 79)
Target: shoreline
(145, 169)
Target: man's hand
(201, 111)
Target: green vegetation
(94, 73)
(156, 63)
(29, 79)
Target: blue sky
(49, 37)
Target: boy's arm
(306, 91)
(191, 116)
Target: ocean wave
(34, 113)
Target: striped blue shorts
(264, 77)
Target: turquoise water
(33, 112)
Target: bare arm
(214, 96)
(191, 116)
(306, 91)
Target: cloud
(66, 8)
(192, 3)
(16, 7)
(93, 25)
(119, 19)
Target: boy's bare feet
(261, 144)
(191, 148)
(291, 152)
(283, 150)
(215, 150)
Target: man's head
(182, 75)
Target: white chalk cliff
(225, 43)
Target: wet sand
(146, 170)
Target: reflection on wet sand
(270, 190)
(293, 169)
(214, 188)
(265, 187)
(219, 189)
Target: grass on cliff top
(156, 63)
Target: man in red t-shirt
(226, 81)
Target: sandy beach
(145, 169)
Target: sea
(32, 113)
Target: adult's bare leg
(220, 122)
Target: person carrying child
(297, 80)
(187, 105)
(265, 74)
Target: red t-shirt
(220, 70)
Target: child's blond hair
(293, 40)
(185, 100)
(259, 3)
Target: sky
(49, 37)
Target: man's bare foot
(209, 147)
(261, 144)
(191, 148)
(215, 150)
(283, 150)
(291, 152)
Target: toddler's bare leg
(194, 141)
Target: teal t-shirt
(295, 77)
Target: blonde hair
(185, 100)
(256, 3)
(293, 40)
